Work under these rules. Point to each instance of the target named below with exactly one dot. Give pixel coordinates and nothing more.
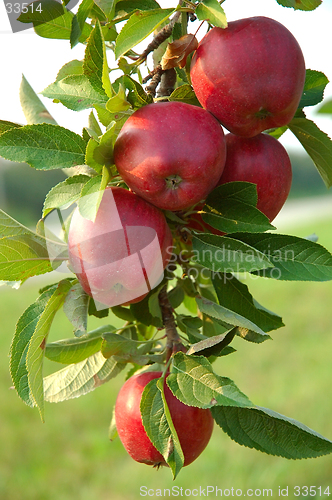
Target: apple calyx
(263, 113)
(173, 181)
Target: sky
(39, 59)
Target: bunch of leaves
(211, 303)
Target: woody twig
(173, 342)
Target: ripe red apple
(264, 161)
(171, 154)
(120, 256)
(193, 425)
(250, 76)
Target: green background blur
(70, 456)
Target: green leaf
(89, 155)
(97, 13)
(211, 11)
(53, 21)
(140, 25)
(76, 308)
(72, 350)
(118, 103)
(106, 117)
(28, 346)
(158, 425)
(79, 21)
(193, 381)
(95, 63)
(48, 10)
(5, 125)
(137, 96)
(270, 432)
(225, 254)
(176, 296)
(142, 313)
(277, 132)
(184, 93)
(237, 191)
(94, 125)
(98, 313)
(80, 378)
(234, 295)
(317, 144)
(33, 109)
(91, 196)
(313, 92)
(229, 317)
(75, 350)
(127, 350)
(75, 92)
(190, 325)
(103, 151)
(128, 6)
(123, 313)
(293, 258)
(64, 194)
(24, 256)
(11, 227)
(326, 107)
(107, 6)
(71, 68)
(214, 346)
(232, 206)
(43, 146)
(300, 4)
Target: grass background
(70, 455)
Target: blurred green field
(70, 456)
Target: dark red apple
(250, 76)
(120, 256)
(171, 154)
(193, 425)
(263, 161)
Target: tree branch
(162, 35)
(173, 343)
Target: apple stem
(173, 342)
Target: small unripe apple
(193, 425)
(250, 76)
(264, 161)
(171, 154)
(120, 256)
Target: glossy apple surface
(193, 425)
(264, 161)
(250, 76)
(120, 256)
(171, 154)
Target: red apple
(250, 76)
(263, 161)
(171, 154)
(120, 256)
(193, 425)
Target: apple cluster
(248, 79)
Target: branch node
(173, 343)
